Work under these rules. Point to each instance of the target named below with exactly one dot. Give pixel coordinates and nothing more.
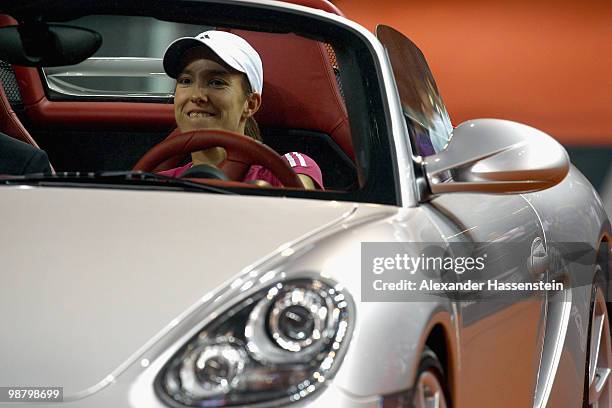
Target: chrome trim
(112, 66)
(120, 67)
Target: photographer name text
(467, 286)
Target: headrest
(300, 86)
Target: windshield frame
(369, 107)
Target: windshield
(201, 99)
(426, 116)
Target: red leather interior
(9, 122)
(300, 87)
(85, 115)
(88, 115)
(102, 115)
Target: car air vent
(7, 76)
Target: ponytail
(251, 129)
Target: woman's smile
(197, 114)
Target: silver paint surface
(101, 287)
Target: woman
(219, 81)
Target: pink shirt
(299, 162)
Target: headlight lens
(281, 343)
(297, 319)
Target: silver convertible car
(440, 266)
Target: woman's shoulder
(299, 162)
(298, 159)
(304, 164)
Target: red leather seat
(9, 121)
(300, 87)
(300, 91)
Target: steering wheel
(239, 148)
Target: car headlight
(283, 342)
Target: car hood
(90, 275)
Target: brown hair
(251, 128)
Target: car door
(500, 337)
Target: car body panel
(377, 345)
(488, 328)
(114, 282)
(99, 266)
(559, 207)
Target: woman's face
(210, 95)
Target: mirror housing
(497, 156)
(38, 44)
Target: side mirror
(497, 156)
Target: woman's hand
(307, 182)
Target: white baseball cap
(235, 51)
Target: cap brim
(172, 56)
